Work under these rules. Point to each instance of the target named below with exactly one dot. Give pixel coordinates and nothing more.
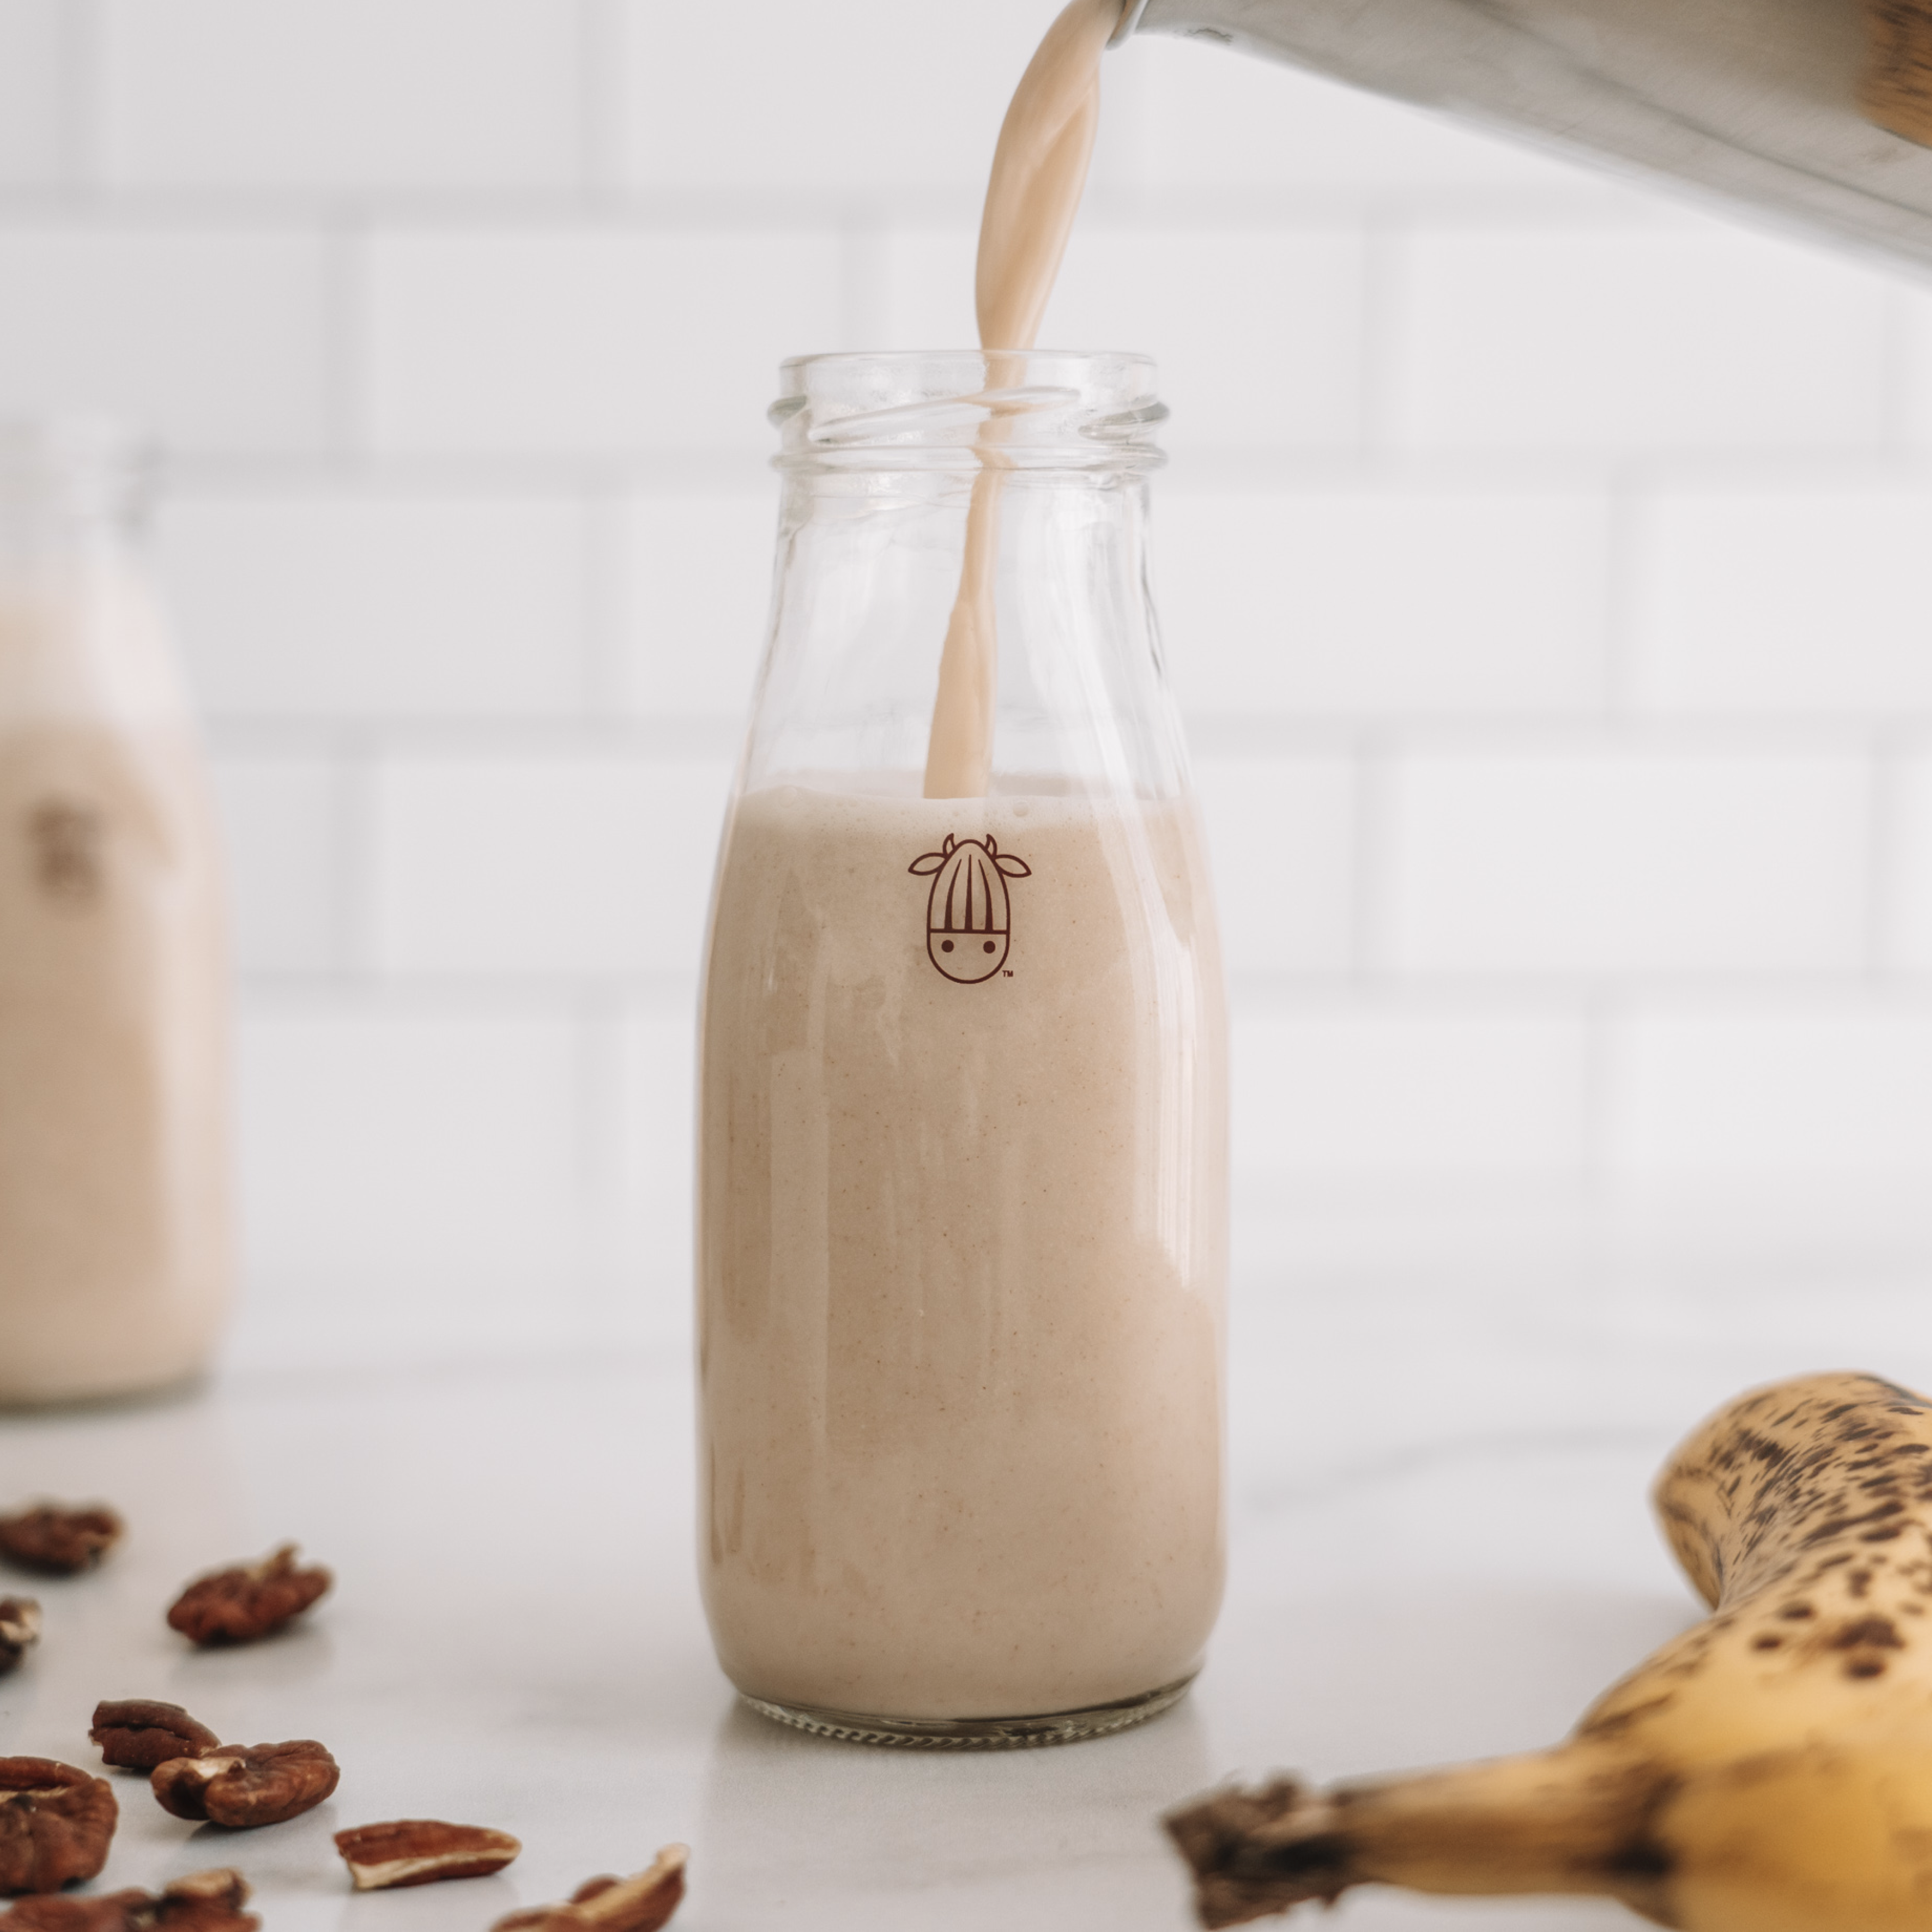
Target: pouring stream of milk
(1039, 168)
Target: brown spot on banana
(1768, 1771)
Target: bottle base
(1052, 1727)
(65, 1392)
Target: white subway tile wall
(308, 604)
(698, 579)
(216, 337)
(355, 95)
(34, 55)
(1403, 1087)
(1356, 597)
(1790, 596)
(1574, 859)
(608, 339)
(570, 865)
(1540, 569)
(1285, 311)
(1662, 339)
(281, 819)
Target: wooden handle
(1896, 91)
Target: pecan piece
(241, 1786)
(56, 1823)
(251, 1600)
(205, 1901)
(111, 1911)
(638, 1904)
(421, 1851)
(137, 1733)
(59, 1538)
(19, 1630)
(209, 1901)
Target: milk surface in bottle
(115, 1239)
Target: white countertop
(1443, 1433)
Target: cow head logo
(968, 918)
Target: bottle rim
(967, 409)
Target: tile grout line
(82, 132)
(601, 36)
(1895, 372)
(607, 622)
(1384, 239)
(1486, 993)
(660, 993)
(1368, 862)
(864, 280)
(599, 1015)
(347, 428)
(1603, 1016)
(357, 861)
(1884, 883)
(1621, 548)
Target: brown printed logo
(968, 917)
(65, 838)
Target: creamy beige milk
(1040, 168)
(960, 1270)
(114, 1214)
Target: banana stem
(1577, 1819)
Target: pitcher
(1818, 110)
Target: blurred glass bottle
(115, 1252)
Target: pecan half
(56, 1823)
(59, 1538)
(137, 1733)
(242, 1786)
(251, 1600)
(638, 1904)
(421, 1851)
(209, 1901)
(19, 1630)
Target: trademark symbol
(1006, 973)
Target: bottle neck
(81, 638)
(72, 495)
(868, 590)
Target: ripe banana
(1768, 1771)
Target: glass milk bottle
(962, 1196)
(114, 1214)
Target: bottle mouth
(1030, 409)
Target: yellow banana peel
(1769, 1771)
